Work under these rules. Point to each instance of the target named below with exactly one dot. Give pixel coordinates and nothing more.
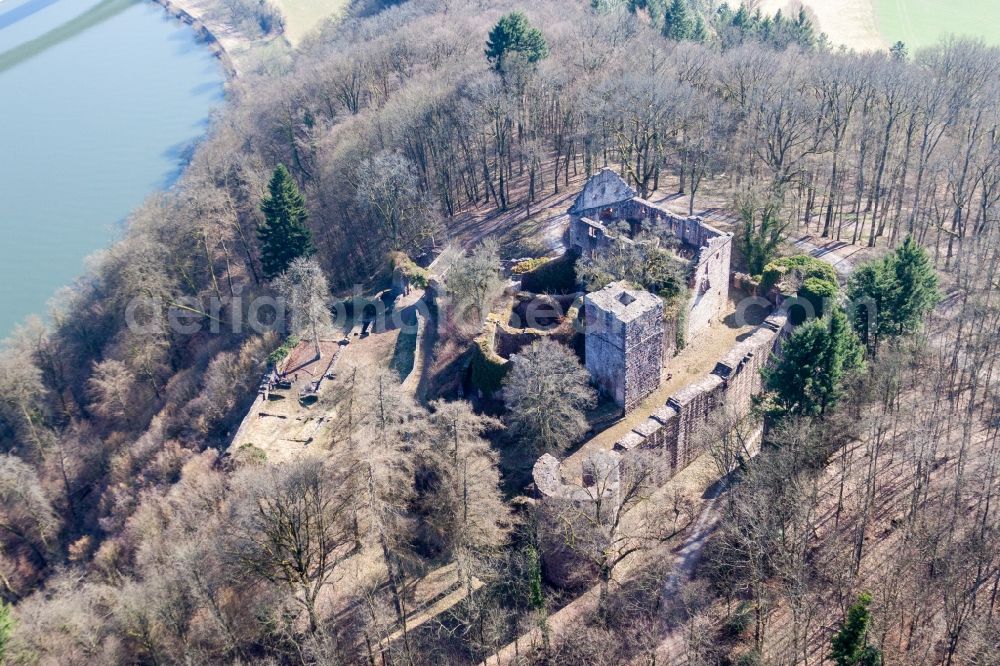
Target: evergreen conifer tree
(915, 292)
(759, 243)
(512, 34)
(805, 33)
(892, 296)
(677, 21)
(283, 236)
(807, 378)
(700, 32)
(849, 646)
(536, 595)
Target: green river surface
(100, 102)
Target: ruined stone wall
(671, 431)
(606, 364)
(588, 237)
(709, 284)
(741, 367)
(694, 405)
(734, 381)
(505, 339)
(670, 325)
(600, 478)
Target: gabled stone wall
(598, 207)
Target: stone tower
(624, 342)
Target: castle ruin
(627, 338)
(671, 430)
(607, 199)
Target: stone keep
(624, 342)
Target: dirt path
(686, 559)
(835, 253)
(441, 605)
(697, 481)
(520, 234)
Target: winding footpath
(828, 252)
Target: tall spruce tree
(513, 34)
(700, 32)
(916, 287)
(805, 34)
(890, 297)
(678, 23)
(283, 236)
(806, 380)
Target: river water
(100, 102)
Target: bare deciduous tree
(292, 526)
(546, 393)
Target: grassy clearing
(923, 22)
(302, 16)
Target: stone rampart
(734, 381)
(672, 429)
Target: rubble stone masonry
(672, 429)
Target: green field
(924, 22)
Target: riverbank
(205, 34)
(239, 52)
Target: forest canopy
(134, 535)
